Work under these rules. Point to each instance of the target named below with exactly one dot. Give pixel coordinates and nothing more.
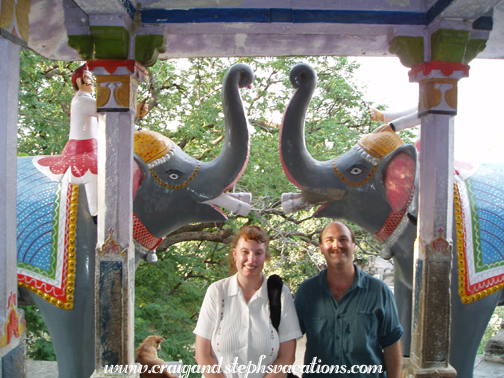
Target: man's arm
(393, 360)
(401, 120)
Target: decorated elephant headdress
(153, 148)
(379, 143)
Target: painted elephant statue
(56, 235)
(374, 185)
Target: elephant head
(373, 185)
(173, 189)
(374, 179)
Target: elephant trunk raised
(307, 173)
(228, 167)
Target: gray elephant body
(355, 186)
(72, 331)
(172, 191)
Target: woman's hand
(286, 357)
(205, 360)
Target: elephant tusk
(292, 202)
(232, 203)
(244, 197)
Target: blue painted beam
(267, 15)
(130, 8)
(436, 10)
(483, 23)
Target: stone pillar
(494, 348)
(116, 85)
(430, 343)
(12, 323)
(438, 56)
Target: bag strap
(275, 286)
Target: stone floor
(485, 369)
(42, 369)
(482, 369)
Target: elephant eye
(356, 170)
(174, 175)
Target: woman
(234, 326)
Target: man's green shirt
(351, 332)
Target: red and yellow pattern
(151, 146)
(380, 142)
(15, 324)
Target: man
(78, 163)
(350, 318)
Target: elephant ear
(398, 171)
(138, 175)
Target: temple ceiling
(84, 29)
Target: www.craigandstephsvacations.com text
(244, 370)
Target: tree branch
(222, 236)
(185, 278)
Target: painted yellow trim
(183, 185)
(459, 227)
(70, 285)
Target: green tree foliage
(38, 341)
(493, 327)
(185, 104)
(45, 92)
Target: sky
(479, 125)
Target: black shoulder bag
(275, 286)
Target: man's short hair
(341, 223)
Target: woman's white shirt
(241, 332)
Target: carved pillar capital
(438, 44)
(14, 23)
(409, 49)
(449, 45)
(116, 84)
(438, 86)
(112, 38)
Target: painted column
(438, 57)
(116, 85)
(13, 36)
(434, 247)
